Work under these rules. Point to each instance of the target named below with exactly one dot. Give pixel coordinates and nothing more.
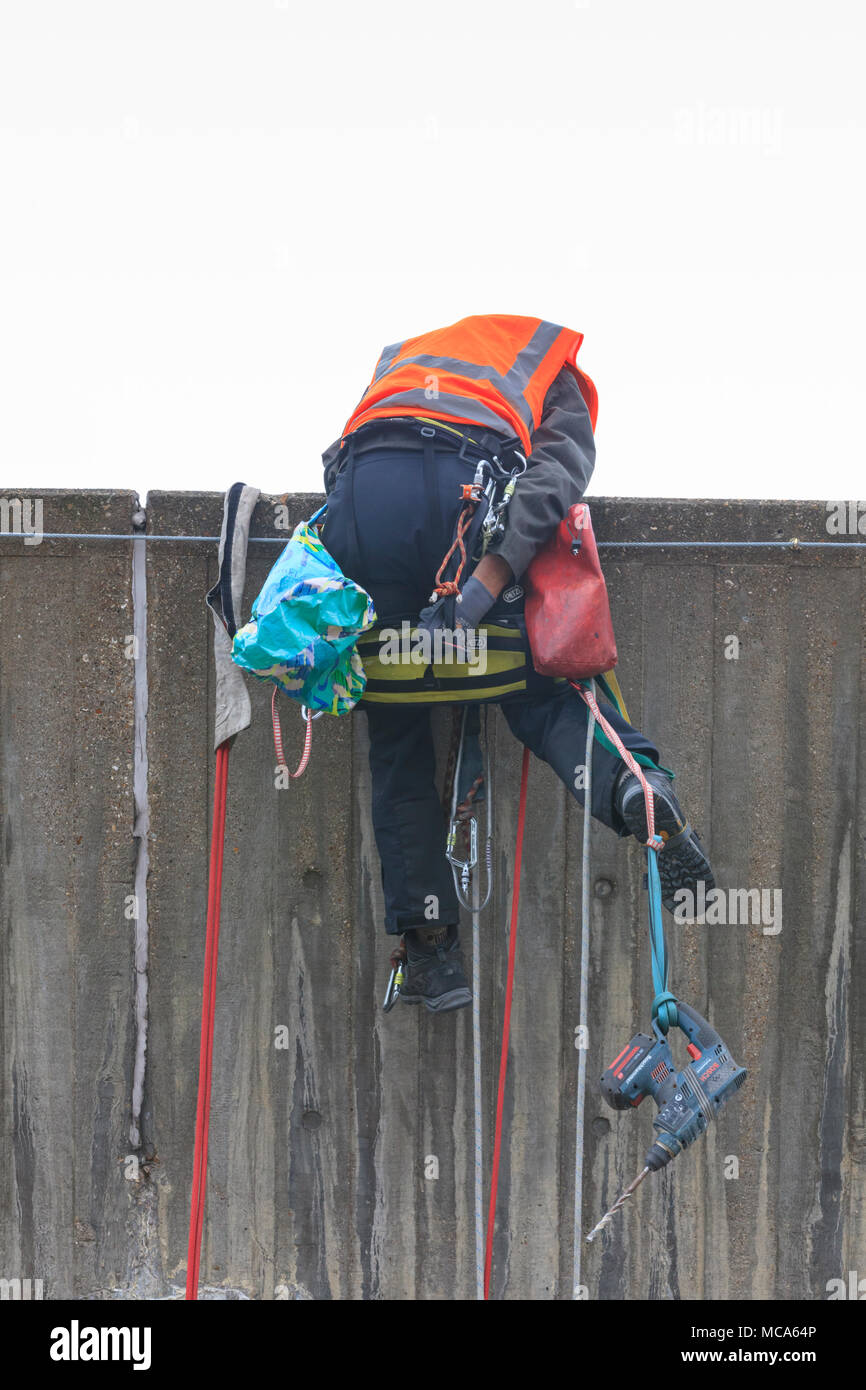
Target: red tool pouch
(567, 612)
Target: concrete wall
(317, 1184)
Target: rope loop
(308, 718)
(452, 586)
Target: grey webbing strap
(232, 702)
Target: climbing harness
(394, 675)
(394, 680)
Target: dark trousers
(390, 520)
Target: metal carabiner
(395, 980)
(494, 522)
(464, 865)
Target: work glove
(447, 614)
(475, 600)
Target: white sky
(215, 213)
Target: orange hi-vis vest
(489, 370)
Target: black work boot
(434, 973)
(683, 863)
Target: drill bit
(620, 1202)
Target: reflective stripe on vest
(492, 370)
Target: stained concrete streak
(141, 828)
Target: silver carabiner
(464, 865)
(395, 980)
(391, 992)
(473, 843)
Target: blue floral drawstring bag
(304, 626)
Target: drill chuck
(659, 1155)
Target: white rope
(476, 1085)
(475, 905)
(476, 1011)
(583, 1005)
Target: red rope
(211, 950)
(506, 1022)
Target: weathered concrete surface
(66, 725)
(317, 1183)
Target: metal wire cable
(794, 543)
(476, 1086)
(476, 1016)
(583, 1006)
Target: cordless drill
(688, 1100)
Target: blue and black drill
(688, 1100)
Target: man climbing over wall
(496, 387)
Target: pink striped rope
(655, 841)
(278, 739)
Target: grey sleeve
(559, 469)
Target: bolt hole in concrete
(311, 1119)
(603, 888)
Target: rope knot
(655, 842)
(665, 1010)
